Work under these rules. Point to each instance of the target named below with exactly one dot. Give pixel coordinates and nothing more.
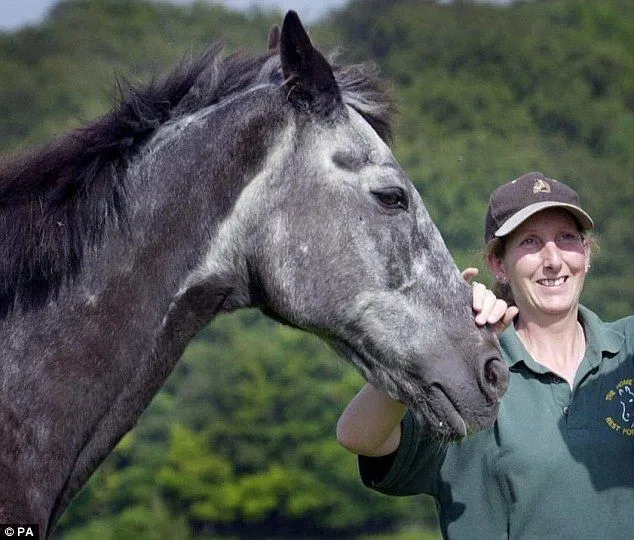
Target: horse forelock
(56, 201)
(370, 96)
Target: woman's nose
(552, 256)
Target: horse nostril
(496, 378)
(490, 373)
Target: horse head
(338, 242)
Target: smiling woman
(545, 263)
(560, 452)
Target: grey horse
(247, 181)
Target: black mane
(56, 200)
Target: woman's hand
(487, 307)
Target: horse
(236, 181)
(626, 399)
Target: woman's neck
(558, 345)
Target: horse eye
(391, 198)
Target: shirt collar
(600, 338)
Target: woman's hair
(497, 248)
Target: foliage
(241, 439)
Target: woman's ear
(497, 267)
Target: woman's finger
(479, 292)
(510, 314)
(497, 312)
(484, 302)
(469, 273)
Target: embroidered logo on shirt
(622, 396)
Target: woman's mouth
(553, 282)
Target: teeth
(552, 282)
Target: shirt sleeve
(412, 469)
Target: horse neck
(99, 353)
(180, 192)
(101, 350)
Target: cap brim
(585, 221)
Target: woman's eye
(569, 237)
(391, 198)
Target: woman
(559, 461)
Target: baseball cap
(514, 202)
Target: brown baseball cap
(513, 203)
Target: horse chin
(439, 412)
(430, 404)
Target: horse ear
(308, 77)
(274, 38)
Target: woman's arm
(371, 423)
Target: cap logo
(541, 186)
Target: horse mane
(56, 200)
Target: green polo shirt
(556, 464)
